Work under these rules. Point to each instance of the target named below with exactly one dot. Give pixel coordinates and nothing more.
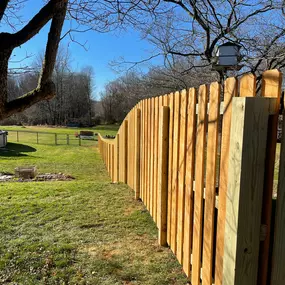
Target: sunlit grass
(51, 136)
(103, 129)
(85, 231)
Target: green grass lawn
(46, 135)
(103, 129)
(85, 231)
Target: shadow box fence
(202, 161)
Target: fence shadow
(16, 149)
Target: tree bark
(55, 10)
(4, 58)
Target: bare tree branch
(37, 22)
(47, 91)
(3, 6)
(46, 88)
(52, 44)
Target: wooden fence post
(109, 158)
(137, 153)
(163, 175)
(117, 159)
(55, 139)
(112, 161)
(17, 136)
(245, 184)
(67, 139)
(271, 88)
(278, 260)
(125, 149)
(37, 137)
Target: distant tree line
(73, 103)
(120, 95)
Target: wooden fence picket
(199, 173)
(199, 184)
(230, 91)
(271, 88)
(278, 259)
(181, 175)
(137, 132)
(170, 164)
(175, 162)
(210, 187)
(155, 158)
(189, 178)
(162, 175)
(151, 161)
(244, 195)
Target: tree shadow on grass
(16, 149)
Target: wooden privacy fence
(204, 168)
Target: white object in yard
(3, 138)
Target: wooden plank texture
(271, 88)
(230, 91)
(155, 157)
(170, 164)
(151, 161)
(125, 149)
(278, 259)
(244, 195)
(175, 161)
(148, 154)
(113, 162)
(117, 165)
(159, 109)
(190, 160)
(143, 152)
(210, 195)
(199, 184)
(162, 175)
(247, 85)
(137, 136)
(181, 175)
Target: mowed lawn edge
(85, 231)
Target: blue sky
(101, 48)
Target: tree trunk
(4, 58)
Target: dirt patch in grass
(134, 248)
(8, 177)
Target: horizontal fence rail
(202, 161)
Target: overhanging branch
(3, 6)
(20, 104)
(37, 22)
(52, 44)
(46, 88)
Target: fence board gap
(170, 164)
